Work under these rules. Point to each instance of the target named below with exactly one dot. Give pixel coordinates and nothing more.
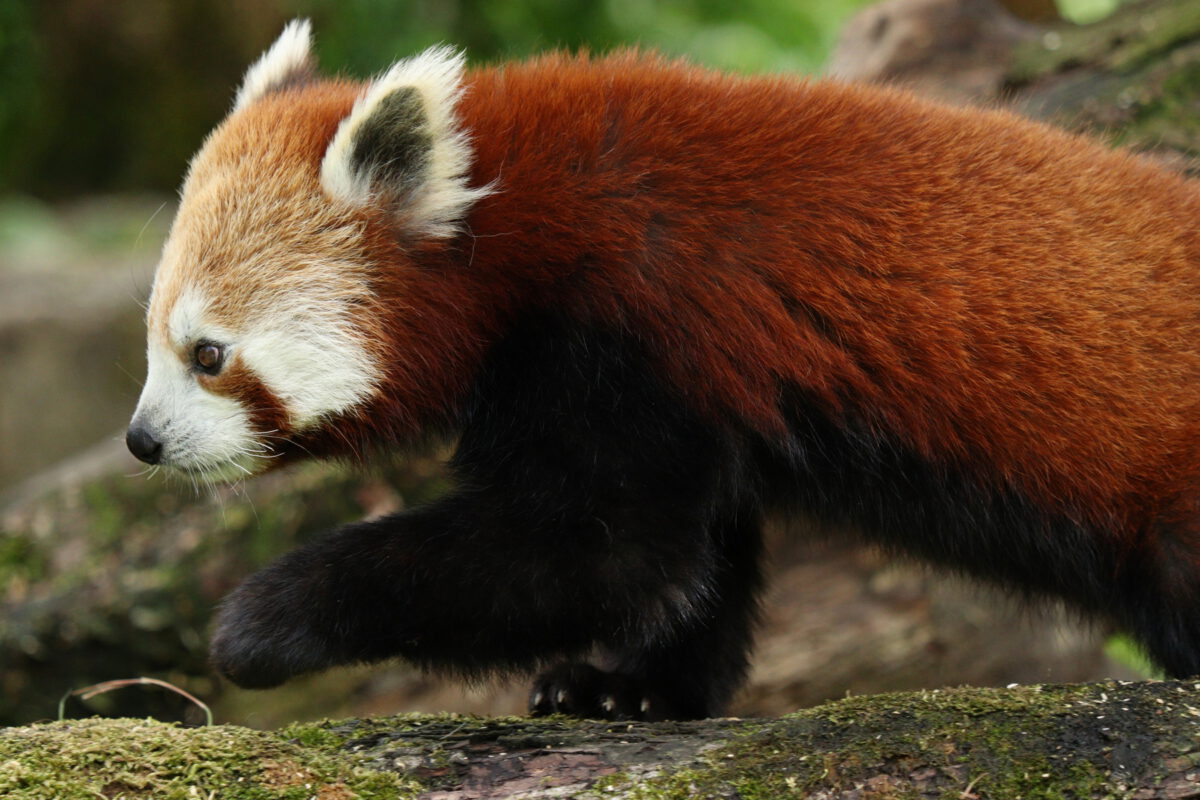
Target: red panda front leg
(465, 585)
(594, 514)
(691, 673)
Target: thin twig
(88, 692)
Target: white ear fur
(287, 59)
(438, 196)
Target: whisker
(146, 225)
(141, 383)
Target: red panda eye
(208, 357)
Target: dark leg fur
(1157, 595)
(591, 514)
(853, 476)
(690, 674)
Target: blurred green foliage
(114, 95)
(1087, 11)
(364, 35)
(18, 78)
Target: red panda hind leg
(850, 474)
(1156, 596)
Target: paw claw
(581, 690)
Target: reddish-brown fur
(691, 299)
(992, 290)
(996, 293)
(267, 415)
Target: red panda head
(265, 319)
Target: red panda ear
(402, 146)
(287, 63)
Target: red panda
(653, 303)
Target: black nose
(142, 444)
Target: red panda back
(993, 291)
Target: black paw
(245, 661)
(581, 690)
(264, 636)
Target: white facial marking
(308, 355)
(304, 352)
(187, 322)
(437, 205)
(200, 432)
(291, 53)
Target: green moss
(1009, 738)
(997, 743)
(317, 735)
(1133, 80)
(361, 733)
(681, 785)
(133, 759)
(1164, 112)
(424, 745)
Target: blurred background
(106, 574)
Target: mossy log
(1132, 78)
(1127, 740)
